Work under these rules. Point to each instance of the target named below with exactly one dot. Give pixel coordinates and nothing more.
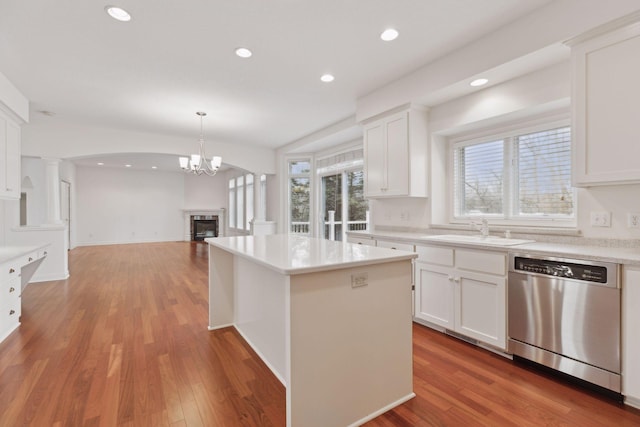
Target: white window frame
(510, 186)
(243, 228)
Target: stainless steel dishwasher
(565, 314)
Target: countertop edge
(626, 256)
(397, 256)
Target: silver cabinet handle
(30, 259)
(12, 289)
(12, 312)
(11, 271)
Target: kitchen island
(332, 321)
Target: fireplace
(204, 226)
(213, 224)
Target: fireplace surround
(200, 224)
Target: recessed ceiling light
(118, 13)
(243, 52)
(100, 164)
(154, 167)
(127, 166)
(479, 82)
(389, 34)
(327, 78)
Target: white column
(258, 213)
(53, 190)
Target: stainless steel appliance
(565, 314)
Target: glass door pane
(358, 206)
(332, 207)
(299, 204)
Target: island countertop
(293, 254)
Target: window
(232, 203)
(240, 202)
(299, 196)
(520, 176)
(241, 209)
(249, 196)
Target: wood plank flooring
(124, 342)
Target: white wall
(34, 168)
(115, 206)
(57, 139)
(68, 173)
(205, 192)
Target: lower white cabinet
(11, 286)
(464, 291)
(361, 240)
(630, 333)
(10, 290)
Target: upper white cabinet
(606, 89)
(396, 154)
(9, 158)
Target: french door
(343, 205)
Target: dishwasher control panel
(561, 268)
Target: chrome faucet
(483, 227)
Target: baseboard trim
(383, 410)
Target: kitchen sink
(476, 240)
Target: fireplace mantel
(220, 213)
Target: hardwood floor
(124, 342)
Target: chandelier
(198, 163)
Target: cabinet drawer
(361, 241)
(9, 271)
(395, 245)
(435, 255)
(10, 290)
(482, 262)
(29, 258)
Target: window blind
(478, 175)
(544, 173)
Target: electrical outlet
(359, 279)
(633, 220)
(601, 219)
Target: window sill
(514, 229)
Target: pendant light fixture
(198, 163)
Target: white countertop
(620, 255)
(8, 253)
(294, 254)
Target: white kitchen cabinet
(464, 291)
(392, 244)
(10, 290)
(9, 158)
(14, 275)
(630, 333)
(605, 92)
(396, 155)
(408, 247)
(369, 241)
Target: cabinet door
(630, 333)
(9, 159)
(374, 159)
(434, 295)
(13, 161)
(397, 155)
(604, 100)
(481, 307)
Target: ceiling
(177, 57)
